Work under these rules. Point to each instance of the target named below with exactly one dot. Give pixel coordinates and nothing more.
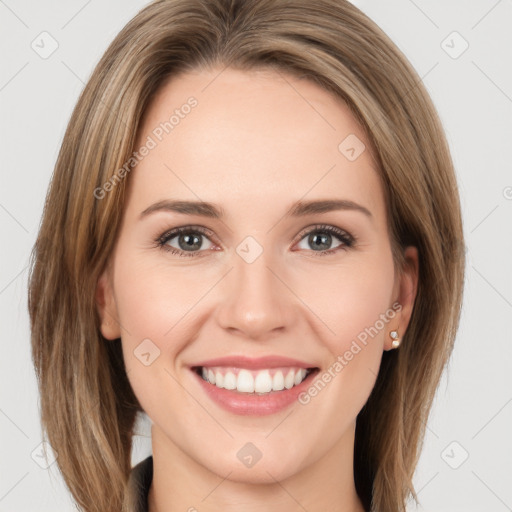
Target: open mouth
(260, 382)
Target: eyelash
(344, 237)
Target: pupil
(325, 240)
(190, 242)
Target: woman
(253, 235)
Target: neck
(181, 483)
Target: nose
(255, 301)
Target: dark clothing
(140, 480)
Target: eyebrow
(298, 209)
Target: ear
(107, 309)
(407, 287)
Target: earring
(395, 338)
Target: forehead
(243, 137)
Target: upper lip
(255, 362)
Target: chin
(263, 471)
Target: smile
(261, 381)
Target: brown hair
(88, 408)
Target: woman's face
(257, 273)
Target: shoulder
(139, 483)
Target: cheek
(160, 308)
(353, 303)
(155, 305)
(363, 299)
(349, 298)
(154, 300)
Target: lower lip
(252, 403)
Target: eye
(189, 240)
(321, 237)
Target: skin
(256, 143)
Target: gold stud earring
(395, 338)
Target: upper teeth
(254, 381)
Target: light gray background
(472, 414)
